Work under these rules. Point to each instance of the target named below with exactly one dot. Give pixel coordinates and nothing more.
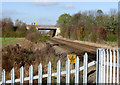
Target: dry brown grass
(16, 56)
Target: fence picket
(110, 66)
(102, 67)
(3, 77)
(118, 67)
(12, 76)
(107, 75)
(21, 75)
(114, 64)
(85, 68)
(40, 74)
(31, 75)
(77, 70)
(97, 67)
(68, 71)
(107, 70)
(58, 72)
(104, 57)
(49, 73)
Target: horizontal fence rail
(108, 65)
(50, 74)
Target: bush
(112, 38)
(98, 34)
(35, 36)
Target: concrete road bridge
(56, 30)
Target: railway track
(78, 47)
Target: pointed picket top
(12, 71)
(31, 66)
(114, 52)
(77, 59)
(40, 66)
(68, 60)
(58, 62)
(49, 63)
(85, 55)
(22, 69)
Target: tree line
(19, 30)
(94, 26)
(9, 29)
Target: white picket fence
(107, 70)
(107, 66)
(49, 75)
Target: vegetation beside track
(7, 41)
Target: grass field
(7, 41)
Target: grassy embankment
(7, 41)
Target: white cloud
(68, 6)
(43, 3)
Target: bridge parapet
(56, 29)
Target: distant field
(8, 41)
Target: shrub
(98, 34)
(112, 38)
(35, 36)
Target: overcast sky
(47, 13)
